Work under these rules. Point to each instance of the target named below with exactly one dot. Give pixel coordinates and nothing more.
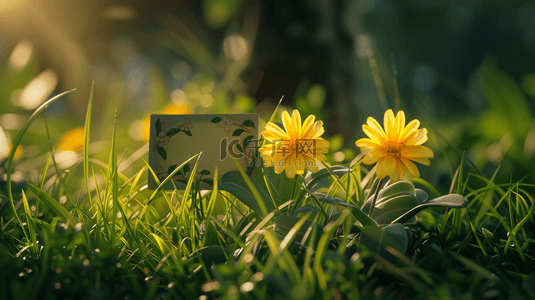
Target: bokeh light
(179, 97)
(139, 130)
(4, 144)
(235, 47)
(38, 90)
(21, 55)
(11, 121)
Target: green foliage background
(91, 229)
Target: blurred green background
(464, 68)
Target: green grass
(249, 238)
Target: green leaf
(321, 178)
(375, 239)
(239, 147)
(171, 169)
(362, 217)
(451, 201)
(284, 224)
(173, 131)
(396, 189)
(216, 120)
(188, 133)
(205, 172)
(501, 90)
(248, 123)
(234, 183)
(210, 255)
(162, 184)
(54, 206)
(158, 126)
(389, 209)
(237, 132)
(162, 153)
(31, 224)
(186, 168)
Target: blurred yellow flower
(296, 147)
(72, 140)
(395, 147)
(171, 109)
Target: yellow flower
(73, 140)
(296, 147)
(394, 148)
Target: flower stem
(293, 194)
(370, 214)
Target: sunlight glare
(119, 13)
(206, 100)
(8, 6)
(4, 144)
(247, 287)
(235, 47)
(38, 90)
(210, 286)
(21, 55)
(11, 121)
(339, 156)
(66, 159)
(179, 97)
(135, 131)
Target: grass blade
(87, 128)
(16, 142)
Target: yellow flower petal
(278, 166)
(411, 128)
(296, 121)
(398, 174)
(289, 167)
(312, 166)
(372, 133)
(410, 168)
(389, 123)
(386, 166)
(370, 159)
(376, 126)
(366, 142)
(422, 160)
(400, 122)
(287, 123)
(320, 157)
(308, 125)
(322, 145)
(274, 132)
(299, 164)
(317, 131)
(417, 138)
(418, 151)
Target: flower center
(394, 148)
